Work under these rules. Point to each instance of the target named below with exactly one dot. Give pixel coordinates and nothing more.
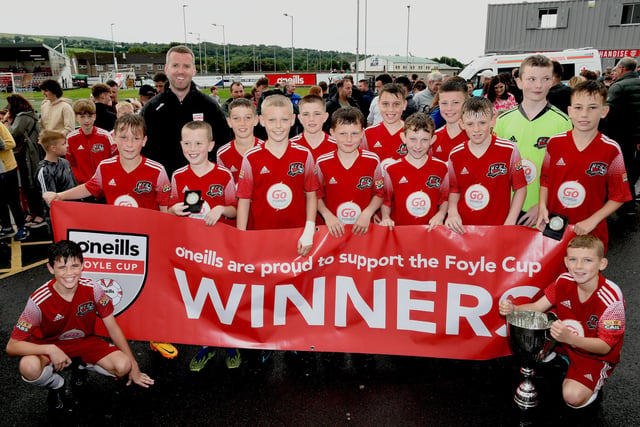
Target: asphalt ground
(317, 389)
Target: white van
(573, 61)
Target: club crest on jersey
(85, 308)
(497, 169)
(402, 149)
(143, 187)
(597, 168)
(592, 323)
(109, 255)
(542, 142)
(97, 148)
(365, 182)
(295, 168)
(215, 190)
(433, 181)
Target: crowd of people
(342, 155)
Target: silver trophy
(531, 342)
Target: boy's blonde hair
(587, 241)
(535, 61)
(124, 106)
(130, 121)
(242, 102)
(277, 101)
(48, 138)
(313, 99)
(197, 125)
(477, 106)
(419, 121)
(84, 106)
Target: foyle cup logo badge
(117, 261)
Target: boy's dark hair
(404, 82)
(98, 89)
(160, 77)
(557, 69)
(589, 75)
(52, 86)
(262, 81)
(591, 88)
(347, 116)
(242, 102)
(64, 249)
(535, 61)
(200, 124)
(393, 89)
(384, 78)
(130, 121)
(323, 85)
(477, 106)
(84, 106)
(111, 83)
(587, 241)
(419, 121)
(312, 99)
(455, 84)
(49, 137)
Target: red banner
(406, 291)
(619, 53)
(297, 79)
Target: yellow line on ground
(16, 258)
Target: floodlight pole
(113, 50)
(184, 23)
(224, 49)
(291, 16)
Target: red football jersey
(49, 317)
(601, 316)
(347, 192)
(229, 158)
(443, 145)
(277, 186)
(485, 183)
(87, 151)
(216, 188)
(327, 145)
(580, 182)
(147, 186)
(414, 194)
(378, 140)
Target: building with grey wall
(611, 26)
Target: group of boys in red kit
(394, 173)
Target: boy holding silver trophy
(591, 324)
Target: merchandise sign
(404, 291)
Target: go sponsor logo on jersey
(530, 170)
(279, 196)
(118, 262)
(571, 194)
(418, 204)
(476, 197)
(348, 212)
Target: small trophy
(530, 340)
(556, 226)
(193, 201)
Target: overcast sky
(453, 28)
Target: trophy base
(526, 396)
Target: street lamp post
(199, 47)
(224, 49)
(184, 22)
(113, 50)
(291, 16)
